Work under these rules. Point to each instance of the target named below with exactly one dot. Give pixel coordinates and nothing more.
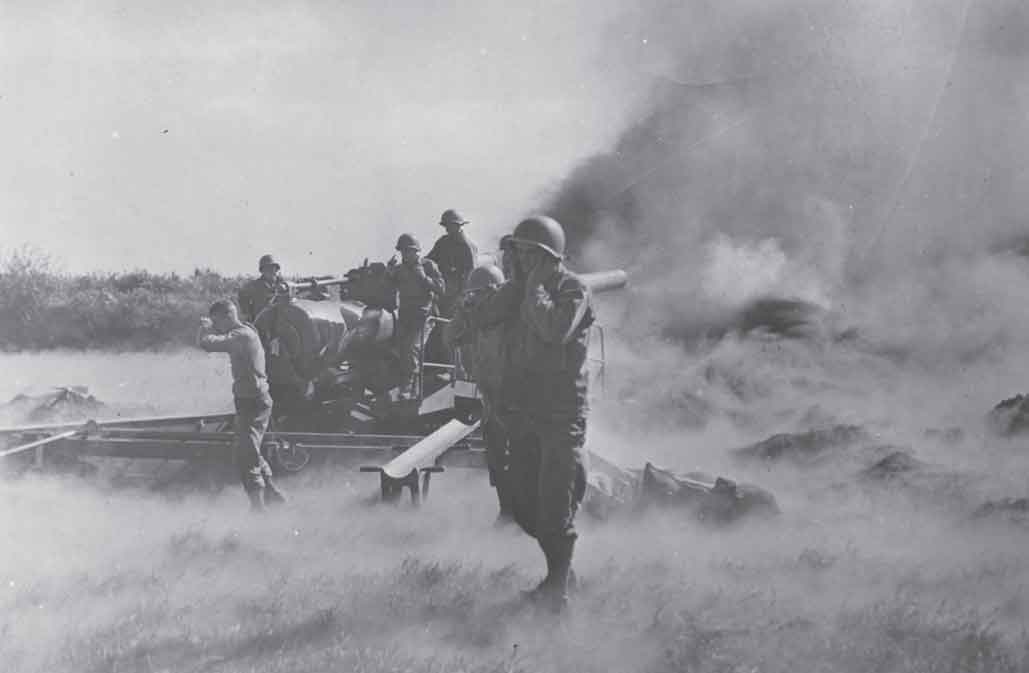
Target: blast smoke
(859, 156)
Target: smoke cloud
(861, 157)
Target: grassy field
(124, 581)
(856, 575)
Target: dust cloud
(820, 209)
(101, 580)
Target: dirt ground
(857, 574)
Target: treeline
(41, 307)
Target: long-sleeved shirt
(416, 291)
(454, 254)
(257, 294)
(482, 351)
(547, 339)
(246, 355)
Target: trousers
(497, 462)
(411, 337)
(546, 474)
(252, 416)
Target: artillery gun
(332, 339)
(334, 376)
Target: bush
(26, 285)
(41, 308)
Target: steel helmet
(451, 216)
(484, 276)
(407, 241)
(267, 260)
(541, 232)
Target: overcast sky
(174, 135)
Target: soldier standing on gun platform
(260, 292)
(223, 332)
(454, 254)
(546, 313)
(482, 351)
(418, 284)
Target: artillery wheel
(288, 457)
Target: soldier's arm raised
(217, 343)
(555, 317)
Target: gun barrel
(316, 282)
(605, 281)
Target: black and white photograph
(613, 336)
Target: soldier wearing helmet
(455, 255)
(255, 298)
(259, 293)
(481, 352)
(223, 332)
(546, 314)
(507, 256)
(418, 285)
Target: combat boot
(552, 592)
(534, 594)
(562, 577)
(256, 496)
(505, 516)
(272, 495)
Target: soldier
(455, 255)
(546, 314)
(482, 351)
(223, 332)
(287, 389)
(507, 256)
(260, 292)
(418, 284)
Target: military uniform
(258, 294)
(417, 288)
(482, 353)
(543, 407)
(455, 255)
(549, 419)
(285, 386)
(253, 406)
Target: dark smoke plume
(868, 153)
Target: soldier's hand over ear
(541, 271)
